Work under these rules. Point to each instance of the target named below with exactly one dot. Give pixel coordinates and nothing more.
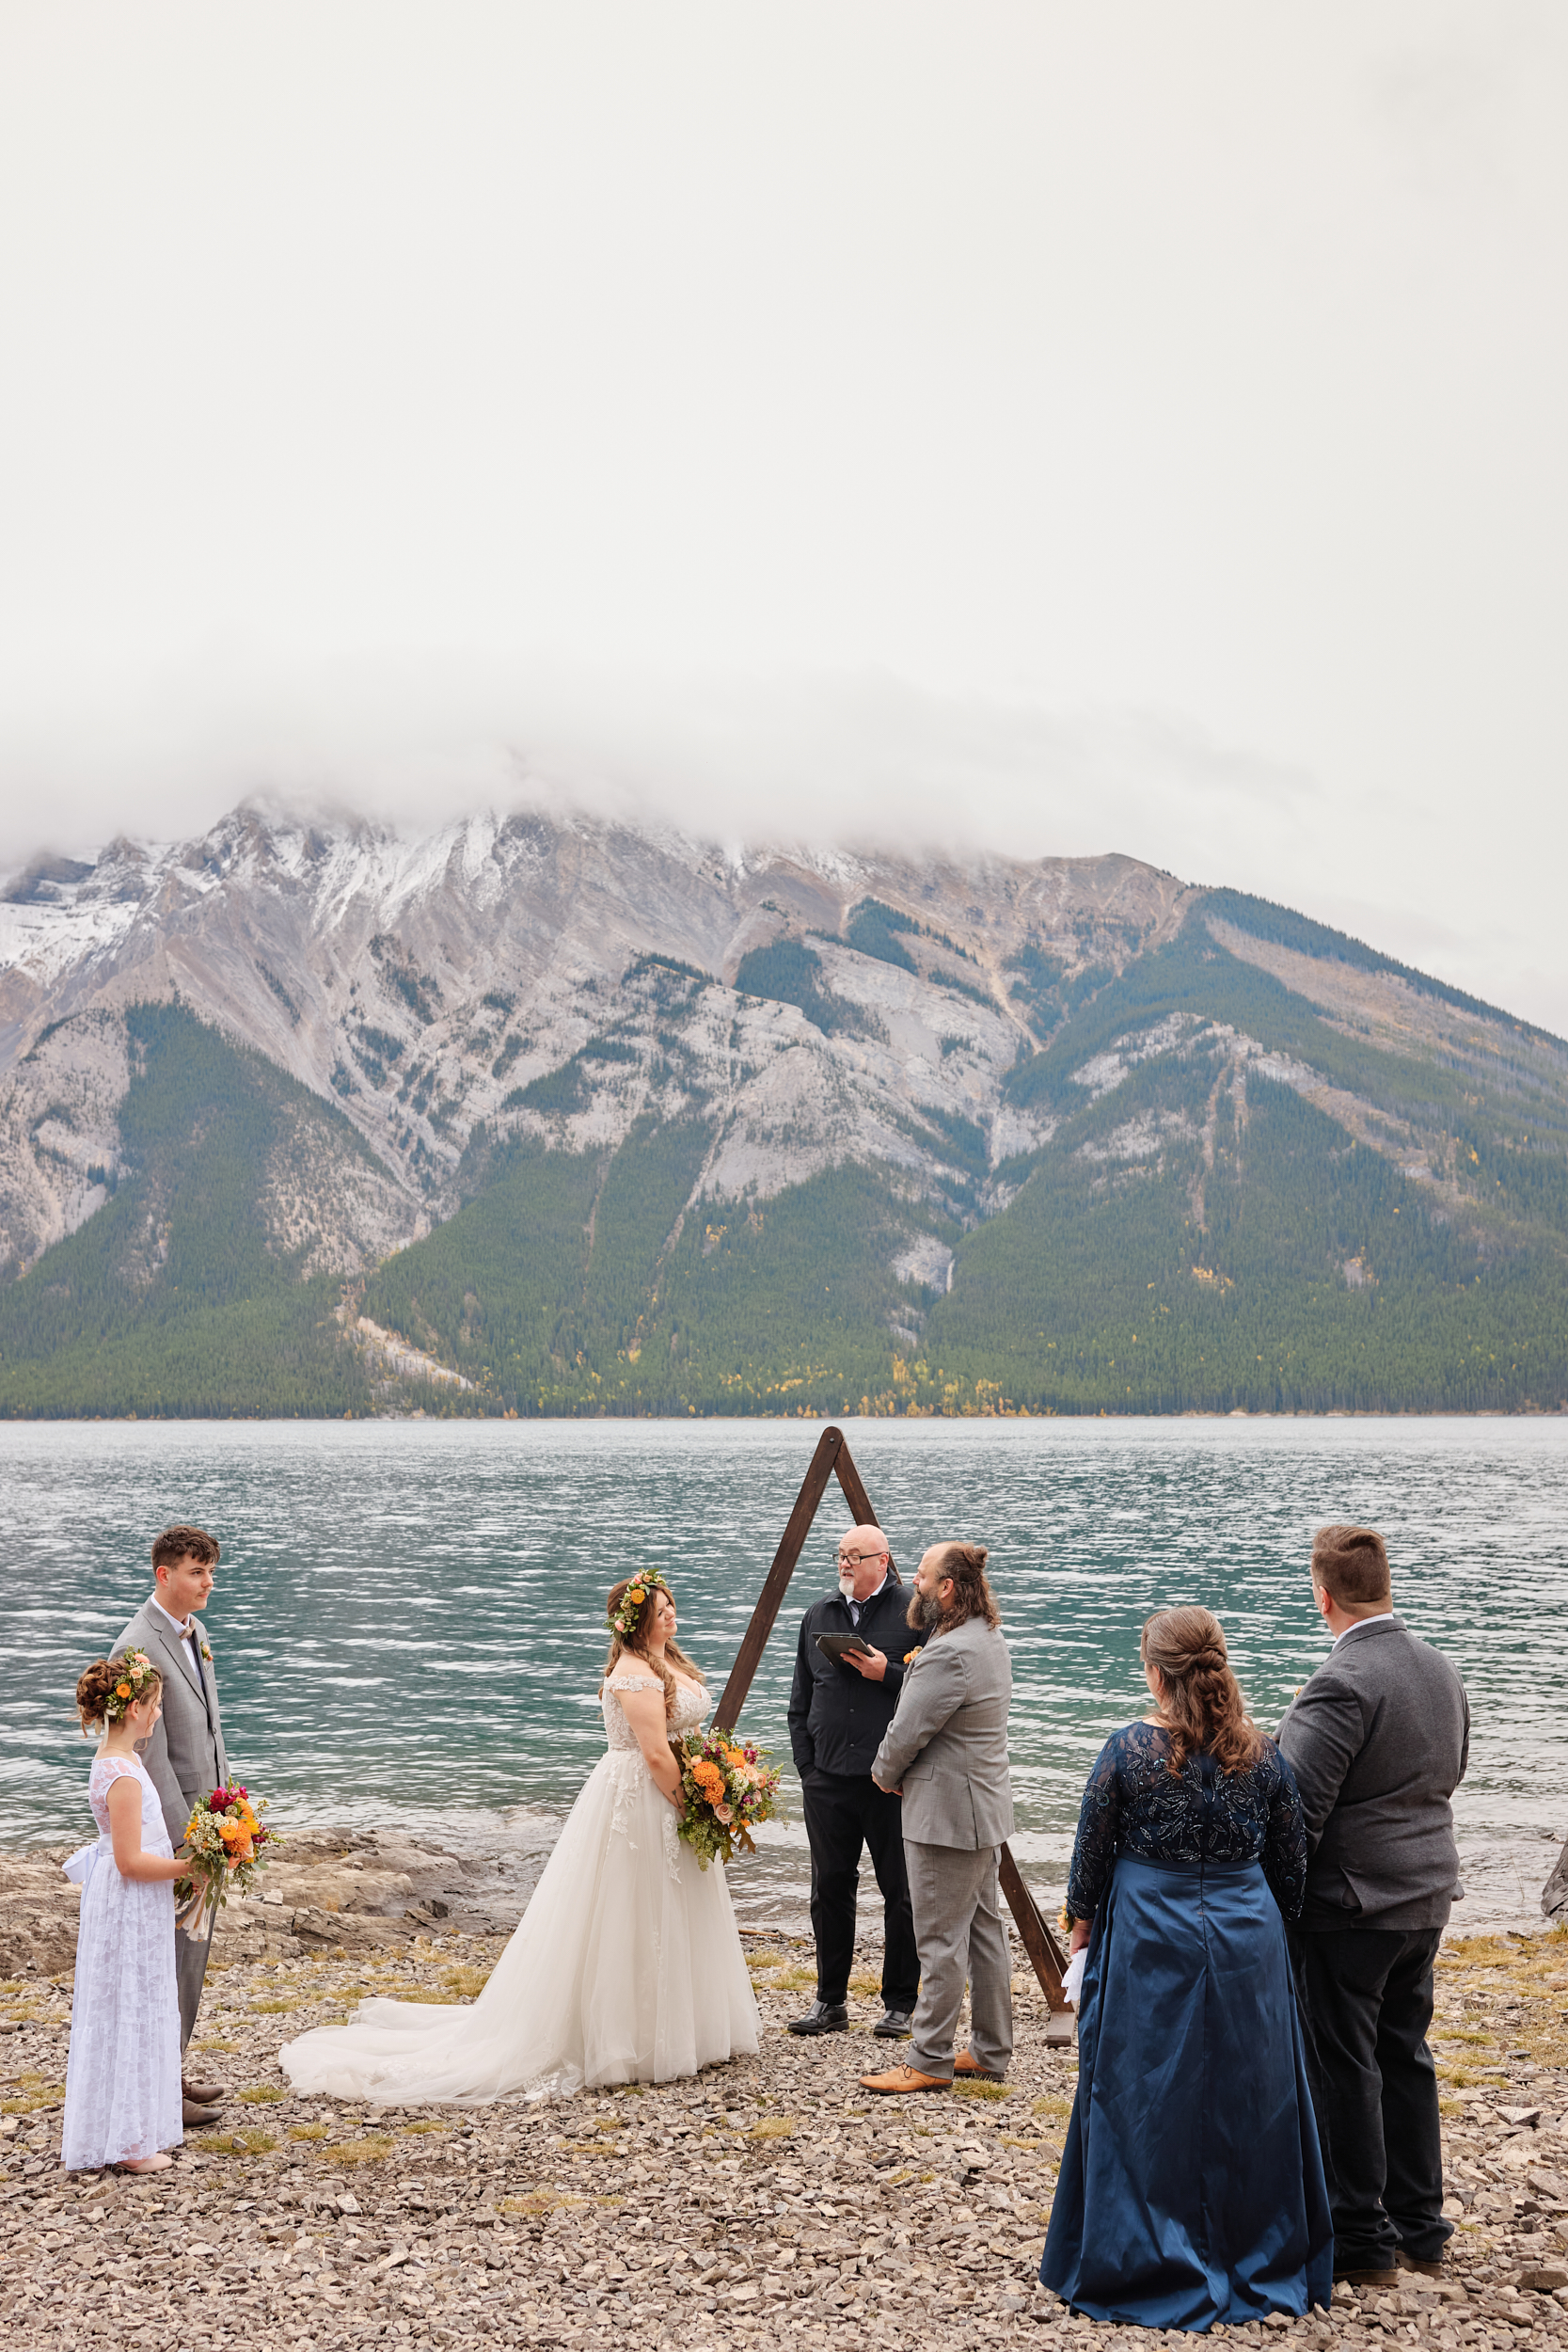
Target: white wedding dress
(626, 1966)
(122, 2071)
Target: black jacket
(837, 1718)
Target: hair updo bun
(1202, 1703)
(110, 1686)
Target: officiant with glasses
(848, 1672)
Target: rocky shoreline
(768, 2200)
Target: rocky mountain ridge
(552, 1114)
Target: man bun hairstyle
(971, 1594)
(1204, 1713)
(180, 1542)
(1350, 1566)
(111, 1685)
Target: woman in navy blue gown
(1191, 2187)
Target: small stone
(1520, 2117)
(1544, 2280)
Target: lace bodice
(105, 1771)
(1133, 1806)
(691, 1707)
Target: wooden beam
(748, 1656)
(1046, 1955)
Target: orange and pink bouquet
(729, 1788)
(228, 1846)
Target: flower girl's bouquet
(729, 1787)
(226, 1840)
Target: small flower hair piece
(131, 1670)
(622, 1620)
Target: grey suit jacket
(187, 1757)
(1378, 1741)
(947, 1743)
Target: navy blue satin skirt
(1192, 2186)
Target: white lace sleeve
(636, 1683)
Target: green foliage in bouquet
(729, 1788)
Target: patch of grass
(426, 2123)
(274, 2007)
(895, 2180)
(463, 1984)
(925, 2179)
(793, 1979)
(772, 2127)
(310, 2131)
(35, 2093)
(424, 1992)
(982, 2090)
(1480, 1951)
(212, 2042)
(766, 1959)
(251, 2143)
(1060, 2108)
(371, 2148)
(1452, 2107)
(540, 2202)
(261, 2095)
(1456, 2033)
(866, 1983)
(1009, 2142)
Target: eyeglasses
(853, 1559)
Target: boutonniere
(910, 1657)
(206, 1653)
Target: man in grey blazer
(1378, 1741)
(186, 1758)
(945, 1753)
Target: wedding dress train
(626, 1966)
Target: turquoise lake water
(408, 1617)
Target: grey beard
(923, 1612)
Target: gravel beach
(770, 2199)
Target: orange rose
(122, 1690)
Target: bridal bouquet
(729, 1787)
(226, 1838)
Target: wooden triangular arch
(832, 1459)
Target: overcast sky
(1061, 428)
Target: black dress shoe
(822, 2017)
(895, 2026)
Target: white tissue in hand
(1072, 1984)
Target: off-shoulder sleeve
(1284, 1855)
(636, 1683)
(1094, 1850)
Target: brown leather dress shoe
(904, 2078)
(967, 2064)
(1428, 2270)
(197, 2119)
(204, 2094)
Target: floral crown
(133, 1668)
(621, 1620)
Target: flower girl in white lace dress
(122, 2077)
(626, 1966)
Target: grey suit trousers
(190, 1971)
(959, 1934)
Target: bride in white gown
(626, 1966)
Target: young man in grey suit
(1378, 1741)
(186, 1758)
(945, 1753)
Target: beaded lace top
(1133, 1806)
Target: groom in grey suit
(186, 1758)
(945, 1753)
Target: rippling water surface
(410, 1615)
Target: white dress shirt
(188, 1639)
(1384, 1616)
(856, 1606)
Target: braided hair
(1202, 1703)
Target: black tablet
(836, 1643)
